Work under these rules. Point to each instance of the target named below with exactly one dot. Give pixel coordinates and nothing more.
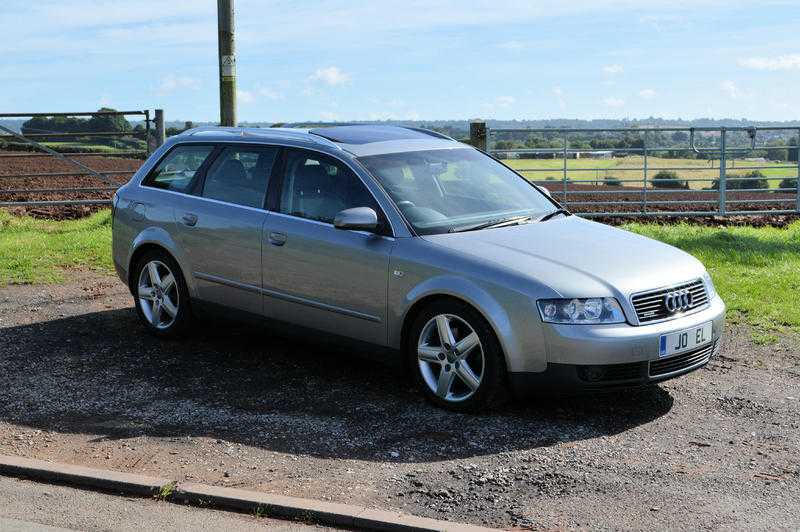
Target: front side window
(178, 169)
(318, 187)
(450, 189)
(240, 175)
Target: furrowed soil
(82, 382)
(577, 197)
(14, 165)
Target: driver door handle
(277, 239)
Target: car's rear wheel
(455, 357)
(160, 293)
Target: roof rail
(430, 132)
(219, 129)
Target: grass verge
(38, 251)
(755, 270)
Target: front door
(315, 275)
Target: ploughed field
(580, 197)
(15, 165)
(680, 201)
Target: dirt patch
(13, 166)
(10, 165)
(81, 382)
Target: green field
(756, 270)
(598, 169)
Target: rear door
(316, 275)
(219, 228)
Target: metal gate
(40, 166)
(711, 172)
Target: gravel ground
(24, 503)
(81, 382)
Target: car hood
(577, 257)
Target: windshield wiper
(549, 215)
(499, 222)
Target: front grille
(683, 361)
(650, 306)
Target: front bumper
(616, 356)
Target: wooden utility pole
(227, 64)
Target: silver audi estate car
(419, 248)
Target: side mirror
(356, 219)
(545, 191)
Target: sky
(408, 60)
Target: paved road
(27, 506)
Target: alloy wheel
(450, 357)
(158, 294)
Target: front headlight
(709, 286)
(583, 311)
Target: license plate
(684, 340)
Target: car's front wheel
(455, 357)
(160, 294)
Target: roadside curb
(321, 512)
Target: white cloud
(171, 83)
(245, 96)
(330, 76)
(270, 94)
(613, 69)
(559, 94)
(614, 102)
(647, 94)
(781, 62)
(329, 116)
(504, 101)
(731, 89)
(512, 46)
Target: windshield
(442, 191)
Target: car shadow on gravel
(102, 374)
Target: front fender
(508, 312)
(160, 237)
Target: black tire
(183, 319)
(492, 390)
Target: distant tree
(668, 179)
(750, 180)
(680, 136)
(792, 155)
(110, 123)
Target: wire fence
(712, 171)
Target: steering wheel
(405, 204)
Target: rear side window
(178, 169)
(240, 175)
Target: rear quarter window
(178, 169)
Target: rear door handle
(277, 239)
(189, 219)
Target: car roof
(360, 140)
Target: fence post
(797, 184)
(644, 181)
(147, 140)
(478, 135)
(565, 169)
(161, 135)
(723, 186)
